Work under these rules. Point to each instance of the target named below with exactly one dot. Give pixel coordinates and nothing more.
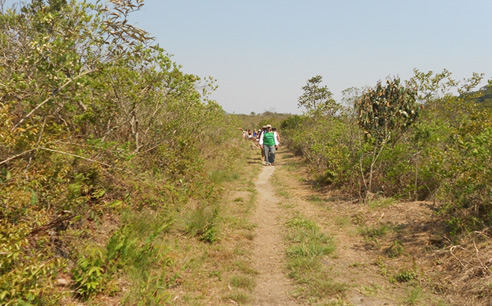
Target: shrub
(467, 189)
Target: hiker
(260, 135)
(277, 136)
(270, 144)
(245, 133)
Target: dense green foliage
(100, 132)
(440, 149)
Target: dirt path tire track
(273, 287)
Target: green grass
(404, 276)
(280, 185)
(151, 291)
(342, 221)
(307, 245)
(316, 288)
(244, 267)
(215, 274)
(310, 249)
(358, 264)
(298, 267)
(220, 176)
(370, 290)
(203, 223)
(283, 193)
(414, 296)
(374, 232)
(381, 202)
(252, 201)
(138, 249)
(292, 166)
(238, 297)
(395, 250)
(316, 199)
(243, 282)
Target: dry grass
(220, 272)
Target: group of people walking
(268, 139)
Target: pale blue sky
(263, 51)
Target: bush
(467, 189)
(329, 145)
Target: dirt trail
(273, 287)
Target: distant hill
(485, 100)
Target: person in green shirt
(269, 143)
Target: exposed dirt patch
(273, 287)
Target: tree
(384, 114)
(318, 98)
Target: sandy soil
(273, 287)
